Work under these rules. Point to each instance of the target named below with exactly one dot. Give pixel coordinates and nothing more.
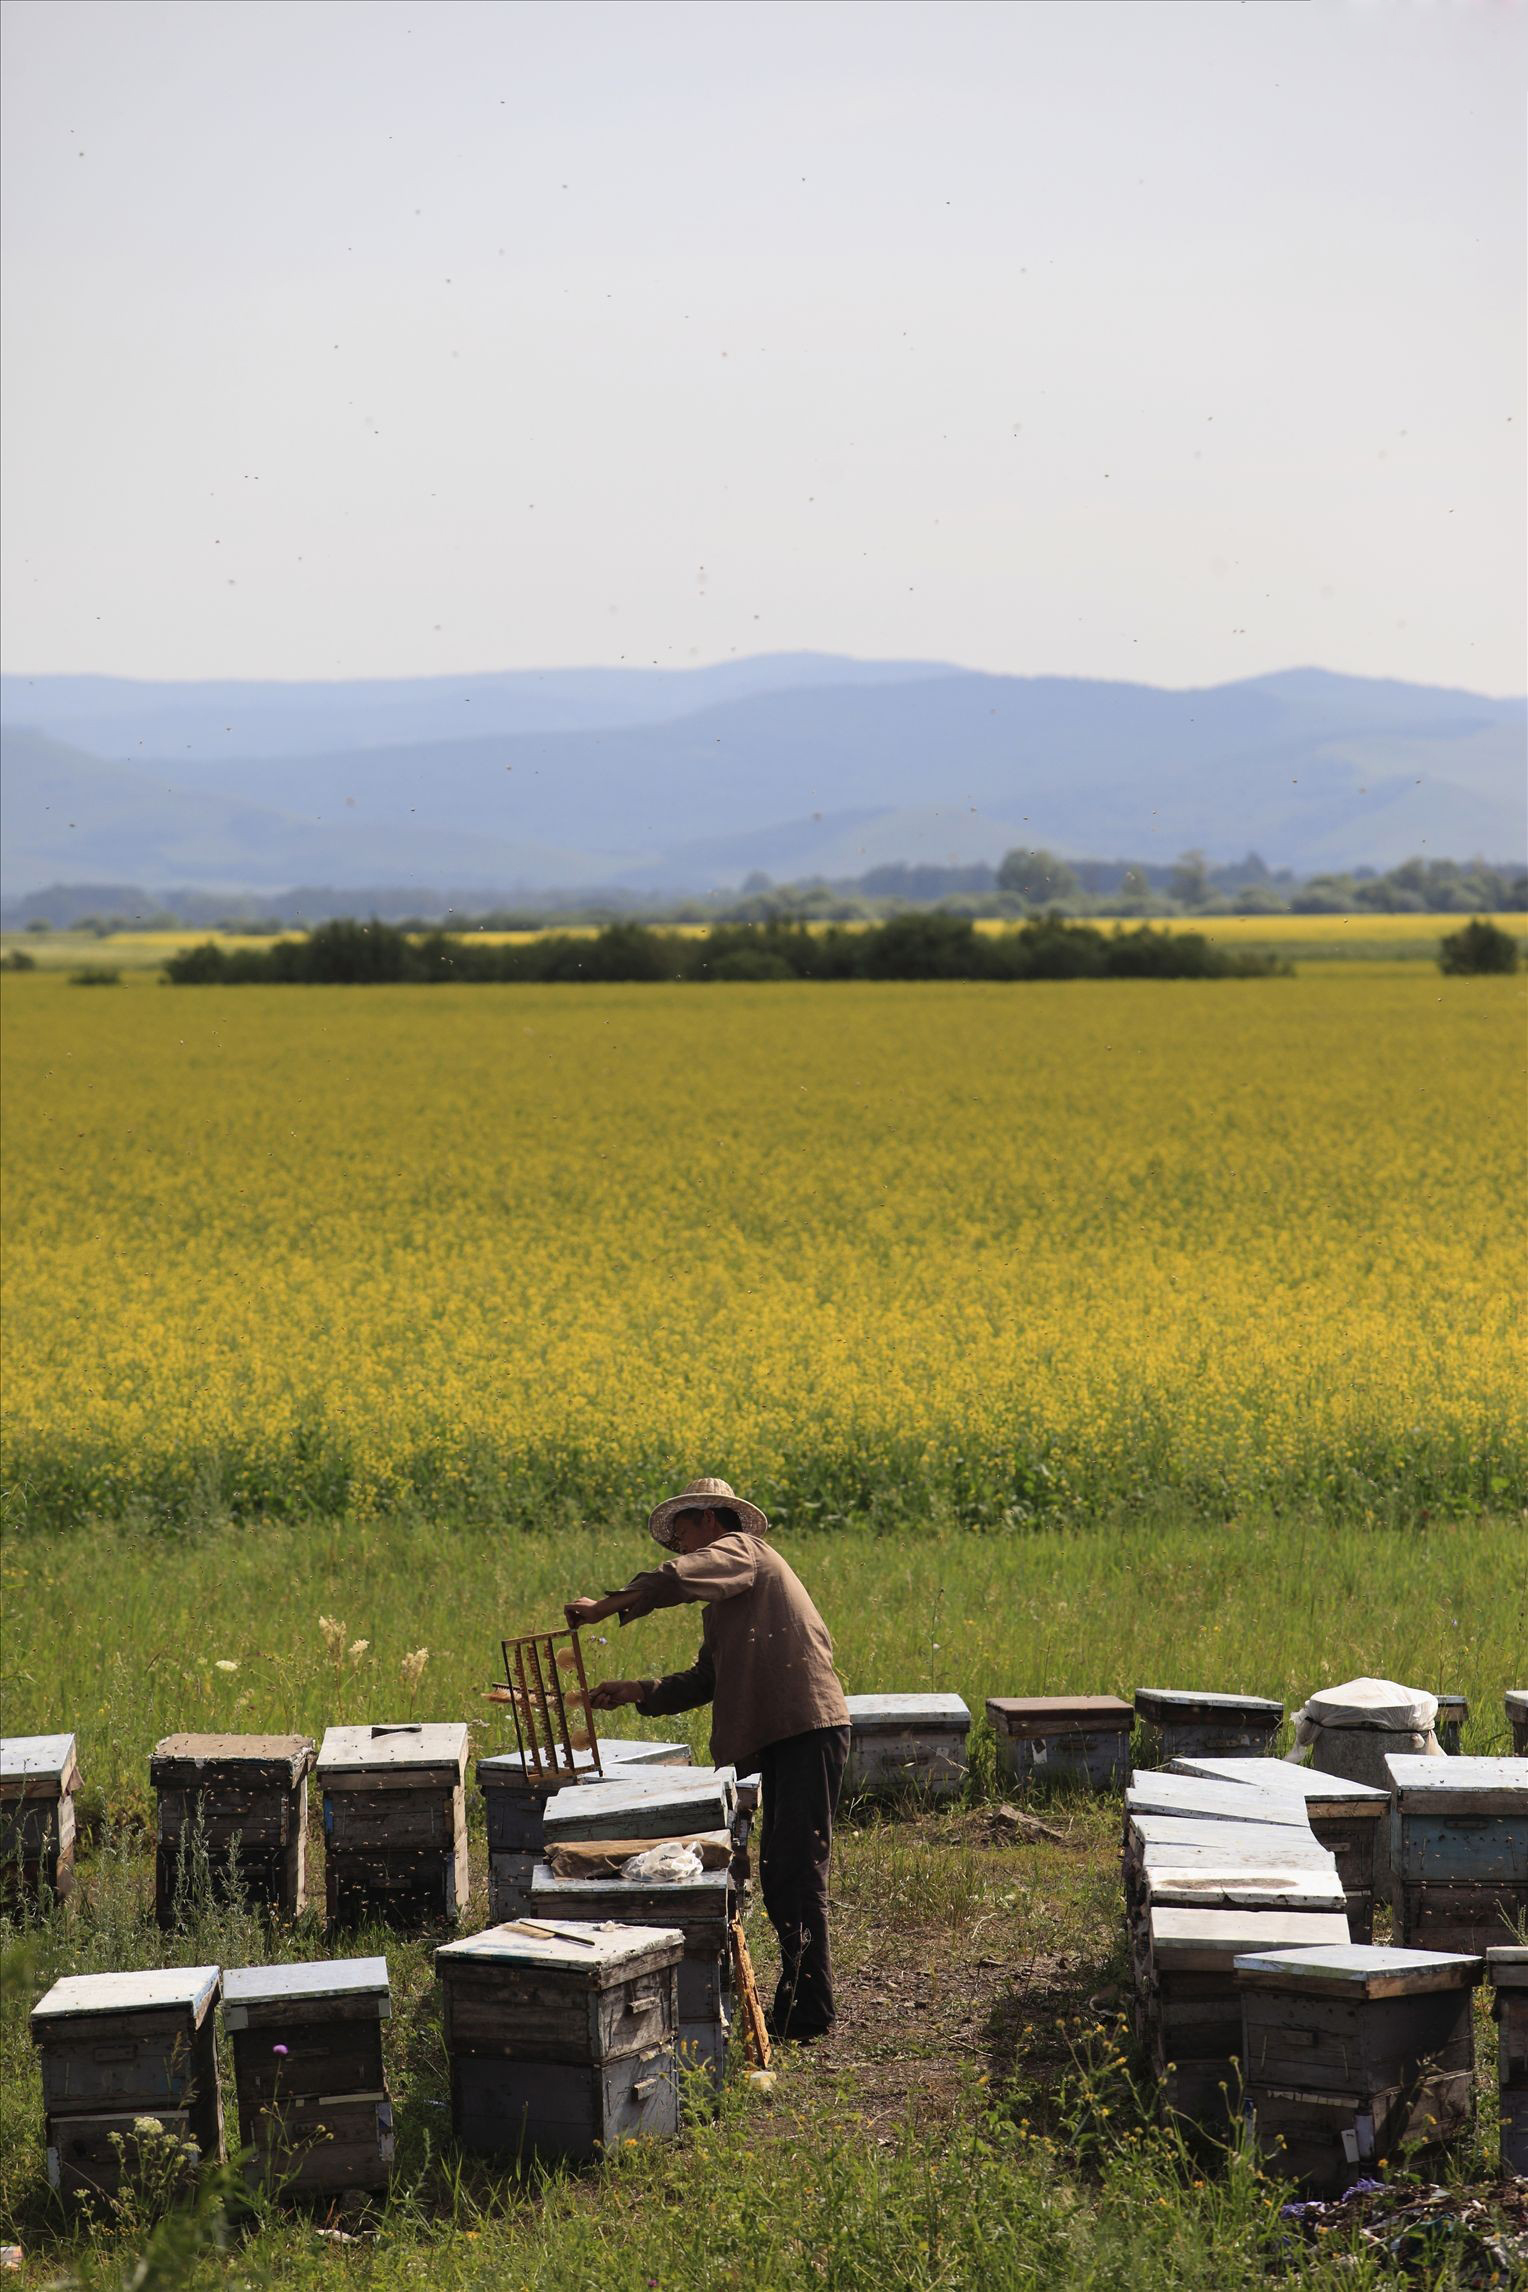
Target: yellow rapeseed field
(935, 1251)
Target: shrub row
(931, 945)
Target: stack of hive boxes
(237, 1807)
(39, 1775)
(308, 2075)
(1517, 1720)
(1188, 1723)
(118, 2049)
(1212, 1871)
(1349, 1818)
(515, 1799)
(1459, 1850)
(906, 1746)
(597, 1826)
(1352, 2054)
(395, 1821)
(561, 2036)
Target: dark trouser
(801, 1778)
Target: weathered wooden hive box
(1193, 2018)
(1184, 1725)
(1351, 2055)
(1178, 1842)
(1210, 1861)
(395, 1821)
(653, 1804)
(1517, 1719)
(1076, 1738)
(117, 2048)
(1350, 1818)
(515, 1800)
(308, 2074)
(240, 1801)
(39, 1775)
(906, 1746)
(1507, 1972)
(699, 1909)
(1453, 1711)
(561, 2036)
(1459, 1850)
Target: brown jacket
(765, 1659)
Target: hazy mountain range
(690, 779)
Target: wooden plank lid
(1153, 1791)
(1266, 1844)
(1507, 1966)
(1460, 1786)
(1358, 1969)
(188, 1759)
(156, 1989)
(1209, 1941)
(1282, 1775)
(1517, 1702)
(246, 1986)
(1061, 1714)
(1202, 1887)
(602, 1954)
(1184, 1703)
(868, 1713)
(396, 1747)
(37, 1765)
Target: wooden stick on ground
(755, 2035)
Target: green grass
(947, 2141)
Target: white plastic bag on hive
(664, 1865)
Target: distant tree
(39, 923)
(757, 880)
(1189, 879)
(1480, 946)
(1039, 878)
(18, 960)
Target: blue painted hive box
(1459, 1850)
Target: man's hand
(612, 1693)
(581, 1612)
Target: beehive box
(117, 2048)
(1192, 2018)
(561, 2037)
(395, 1821)
(236, 1808)
(906, 1746)
(39, 1775)
(1453, 1711)
(1175, 1842)
(1507, 1972)
(1459, 1850)
(700, 1909)
(1073, 1738)
(1517, 1719)
(1271, 1820)
(1182, 1724)
(1350, 1818)
(1352, 2055)
(308, 2073)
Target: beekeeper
(766, 1667)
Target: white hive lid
(869, 1711)
(1150, 1792)
(156, 1988)
(36, 1758)
(703, 1885)
(1361, 1968)
(1489, 1785)
(1203, 1941)
(1245, 1888)
(322, 1978)
(1279, 1775)
(1168, 1700)
(393, 1748)
(600, 1950)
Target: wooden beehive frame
(554, 1720)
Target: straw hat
(702, 1496)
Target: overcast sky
(1171, 341)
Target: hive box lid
(640, 1806)
(1179, 1703)
(156, 1989)
(185, 1758)
(1169, 1794)
(1268, 1845)
(1463, 1786)
(1209, 1941)
(1517, 1702)
(508, 1769)
(603, 1954)
(1358, 1969)
(395, 1749)
(1456, 1706)
(37, 1763)
(1061, 1714)
(246, 1986)
(1507, 1966)
(1281, 1775)
(1203, 1887)
(867, 1713)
